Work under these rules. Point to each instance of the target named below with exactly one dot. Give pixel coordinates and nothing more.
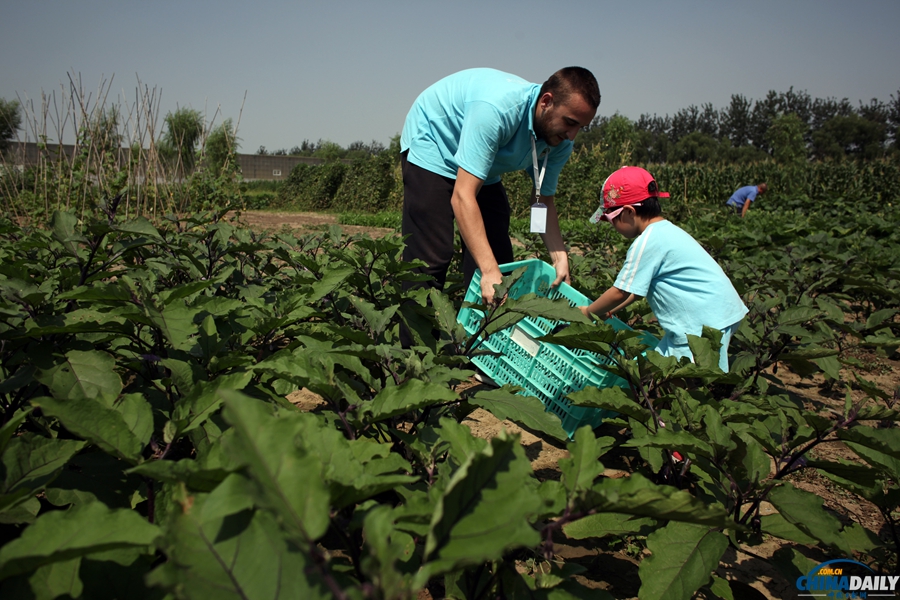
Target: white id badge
(538, 218)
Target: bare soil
(615, 568)
(303, 222)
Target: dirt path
(303, 222)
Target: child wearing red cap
(684, 285)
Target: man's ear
(546, 100)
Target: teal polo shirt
(480, 120)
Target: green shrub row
(366, 185)
(374, 184)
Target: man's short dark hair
(573, 80)
(648, 208)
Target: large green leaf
(636, 495)
(57, 579)
(705, 350)
(798, 314)
(611, 398)
(184, 374)
(176, 322)
(525, 410)
(683, 557)
(288, 479)
(807, 352)
(583, 466)
(81, 321)
(720, 588)
(463, 445)
(606, 524)
(30, 462)
(84, 374)
(748, 461)
(140, 226)
(557, 309)
(84, 529)
(484, 510)
(444, 313)
(138, 415)
(188, 471)
(778, 526)
(406, 397)
(861, 479)
(717, 432)
(185, 290)
(829, 365)
(388, 546)
(805, 510)
(885, 441)
(240, 556)
(234, 494)
(353, 470)
(10, 427)
(378, 319)
(878, 317)
(683, 441)
(97, 423)
(331, 279)
(204, 399)
(791, 563)
(63, 227)
(885, 463)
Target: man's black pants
(428, 221)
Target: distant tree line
(788, 126)
(788, 123)
(328, 150)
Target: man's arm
(471, 227)
(559, 256)
(747, 204)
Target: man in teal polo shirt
(460, 136)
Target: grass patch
(389, 219)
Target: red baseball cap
(628, 185)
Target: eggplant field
(148, 448)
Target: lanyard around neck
(538, 175)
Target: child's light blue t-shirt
(480, 120)
(684, 285)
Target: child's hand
(584, 310)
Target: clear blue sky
(347, 70)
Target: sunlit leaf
(682, 559)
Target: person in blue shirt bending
(461, 134)
(684, 285)
(740, 200)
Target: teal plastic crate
(546, 371)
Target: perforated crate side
(545, 371)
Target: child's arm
(611, 301)
(631, 298)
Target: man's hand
(561, 264)
(487, 286)
(471, 228)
